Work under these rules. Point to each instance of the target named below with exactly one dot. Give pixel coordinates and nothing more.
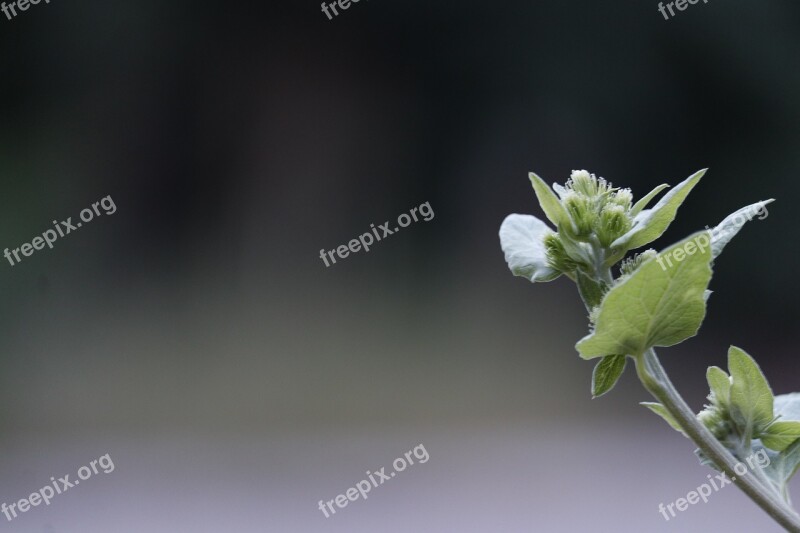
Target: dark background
(196, 336)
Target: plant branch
(656, 381)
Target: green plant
(659, 300)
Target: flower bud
(581, 181)
(613, 223)
(629, 265)
(623, 198)
(581, 212)
(715, 422)
(557, 256)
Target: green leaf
(580, 252)
(655, 306)
(784, 464)
(720, 385)
(751, 397)
(661, 411)
(590, 290)
(606, 373)
(650, 224)
(789, 460)
(788, 406)
(550, 203)
(779, 435)
(645, 200)
(522, 240)
(730, 226)
(777, 466)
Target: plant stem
(656, 381)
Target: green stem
(602, 272)
(656, 381)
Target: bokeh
(196, 336)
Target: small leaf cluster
(746, 417)
(658, 299)
(596, 225)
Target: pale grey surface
(489, 479)
(238, 413)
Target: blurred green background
(196, 336)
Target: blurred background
(196, 336)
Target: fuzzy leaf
(789, 460)
(550, 203)
(779, 435)
(645, 200)
(720, 384)
(730, 226)
(522, 240)
(784, 464)
(655, 306)
(661, 411)
(650, 224)
(580, 252)
(590, 290)
(751, 397)
(606, 373)
(788, 406)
